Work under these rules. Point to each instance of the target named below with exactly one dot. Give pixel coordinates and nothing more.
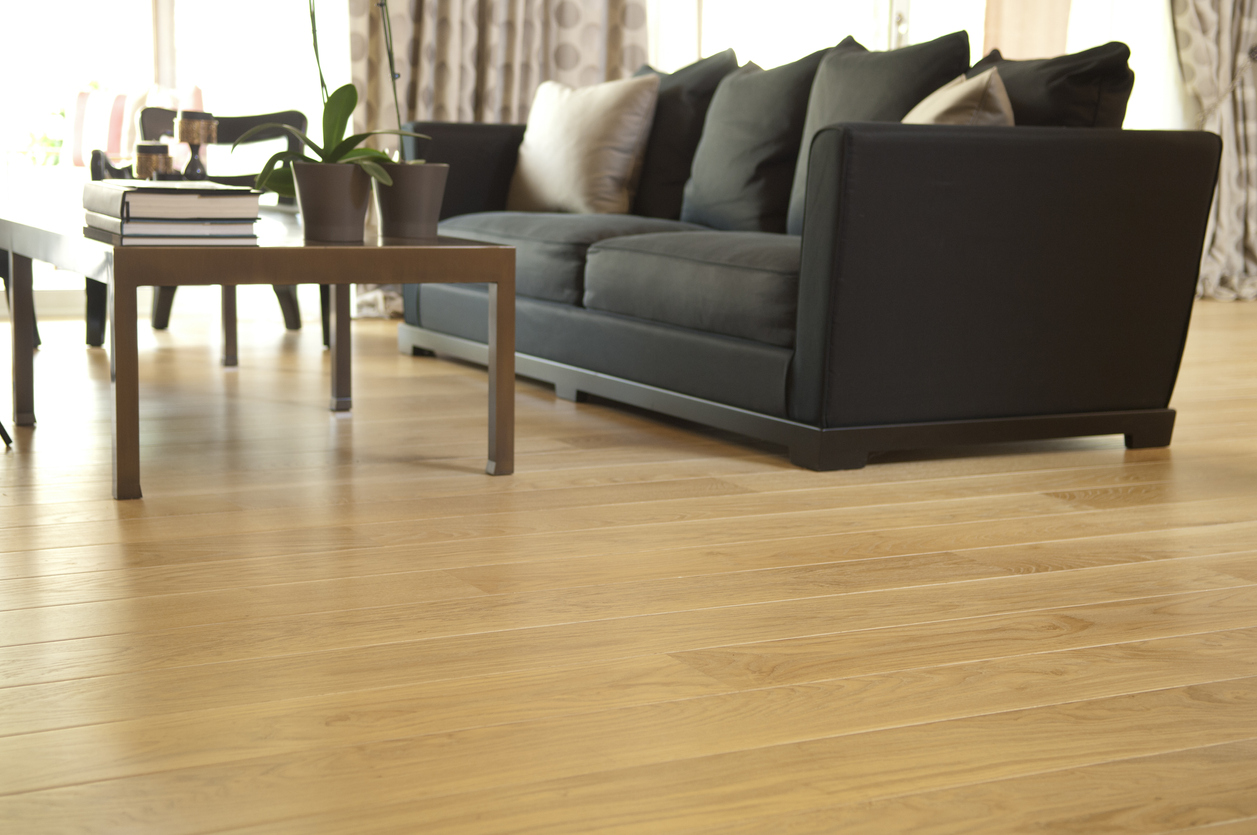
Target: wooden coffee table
(52, 231)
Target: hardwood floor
(326, 624)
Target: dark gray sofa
(951, 285)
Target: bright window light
(59, 52)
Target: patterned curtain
(481, 60)
(1214, 37)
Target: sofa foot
(416, 351)
(820, 453)
(570, 393)
(1151, 431)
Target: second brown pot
(411, 206)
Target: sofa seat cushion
(550, 247)
(740, 284)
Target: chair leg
(325, 305)
(287, 295)
(97, 311)
(163, 300)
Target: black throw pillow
(855, 85)
(742, 169)
(1087, 89)
(684, 97)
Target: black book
(164, 240)
(195, 200)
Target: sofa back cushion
(855, 85)
(582, 148)
(740, 179)
(684, 97)
(1087, 89)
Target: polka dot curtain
(1213, 41)
(481, 60)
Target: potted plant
(409, 202)
(332, 190)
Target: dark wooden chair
(156, 122)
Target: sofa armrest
(481, 159)
(953, 273)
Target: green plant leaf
(359, 153)
(271, 178)
(305, 140)
(340, 106)
(374, 169)
(281, 182)
(347, 145)
(351, 142)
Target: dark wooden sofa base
(845, 448)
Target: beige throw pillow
(583, 147)
(980, 100)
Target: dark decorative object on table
(151, 159)
(195, 128)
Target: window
(268, 66)
(60, 52)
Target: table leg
(22, 317)
(342, 400)
(502, 377)
(230, 359)
(124, 375)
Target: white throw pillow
(981, 100)
(583, 147)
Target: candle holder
(195, 128)
(151, 159)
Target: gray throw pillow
(684, 97)
(855, 85)
(745, 159)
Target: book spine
(104, 201)
(105, 222)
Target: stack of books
(163, 213)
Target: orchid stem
(387, 21)
(314, 34)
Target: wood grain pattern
(339, 625)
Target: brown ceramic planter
(411, 206)
(332, 198)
